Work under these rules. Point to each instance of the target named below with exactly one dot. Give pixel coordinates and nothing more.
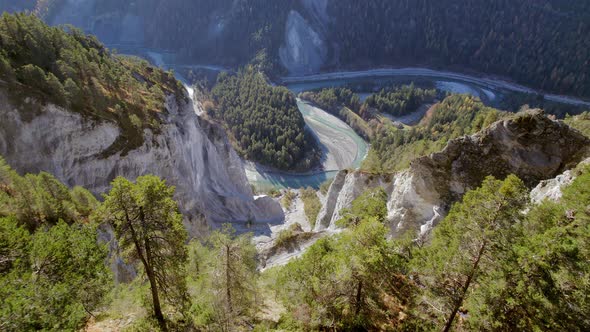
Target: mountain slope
(544, 43)
(529, 145)
(91, 145)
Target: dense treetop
(52, 269)
(399, 101)
(40, 200)
(263, 120)
(332, 99)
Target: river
(341, 147)
(487, 89)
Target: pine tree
(149, 229)
(542, 280)
(233, 272)
(464, 244)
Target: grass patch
(288, 199)
(580, 122)
(311, 205)
(287, 236)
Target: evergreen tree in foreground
(467, 244)
(224, 280)
(149, 229)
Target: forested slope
(67, 68)
(263, 120)
(544, 43)
(541, 43)
(393, 148)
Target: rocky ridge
(529, 145)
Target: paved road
(436, 74)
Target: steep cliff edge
(189, 153)
(528, 145)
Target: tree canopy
(263, 120)
(63, 66)
(53, 270)
(149, 229)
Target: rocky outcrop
(326, 213)
(190, 153)
(345, 188)
(528, 145)
(552, 189)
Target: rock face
(529, 145)
(305, 50)
(552, 189)
(190, 153)
(345, 188)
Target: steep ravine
(190, 153)
(529, 145)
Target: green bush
(288, 199)
(311, 204)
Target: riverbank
(342, 148)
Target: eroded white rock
(192, 155)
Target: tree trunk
(359, 297)
(154, 288)
(146, 261)
(459, 303)
(227, 279)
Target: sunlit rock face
(530, 146)
(552, 189)
(190, 153)
(305, 50)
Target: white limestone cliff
(189, 153)
(552, 189)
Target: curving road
(495, 84)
